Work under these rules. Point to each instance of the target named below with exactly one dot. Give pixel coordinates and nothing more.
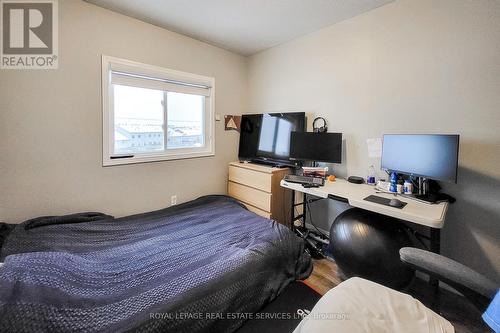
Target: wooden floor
(324, 276)
(455, 308)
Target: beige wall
(408, 67)
(50, 122)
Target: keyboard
(305, 180)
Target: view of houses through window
(140, 124)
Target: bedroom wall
(51, 131)
(412, 66)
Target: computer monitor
(319, 147)
(433, 156)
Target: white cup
(408, 188)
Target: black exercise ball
(367, 244)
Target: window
(142, 101)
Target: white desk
(430, 215)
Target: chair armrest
(476, 287)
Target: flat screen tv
(265, 138)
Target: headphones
(321, 129)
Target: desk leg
(436, 240)
(292, 212)
(436, 248)
(304, 207)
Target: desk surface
(430, 215)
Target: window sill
(154, 158)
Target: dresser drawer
(258, 180)
(257, 211)
(249, 195)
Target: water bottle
(394, 183)
(370, 180)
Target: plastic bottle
(370, 179)
(394, 182)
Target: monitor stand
(269, 163)
(430, 197)
(423, 191)
(425, 195)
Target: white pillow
(358, 306)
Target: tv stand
(269, 163)
(279, 166)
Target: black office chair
(478, 289)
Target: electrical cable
(311, 219)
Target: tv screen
(266, 137)
(318, 147)
(432, 156)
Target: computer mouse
(396, 203)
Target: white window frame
(127, 66)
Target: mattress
(196, 267)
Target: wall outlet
(173, 200)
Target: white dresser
(258, 188)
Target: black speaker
(355, 180)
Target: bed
(200, 266)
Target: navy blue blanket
(200, 266)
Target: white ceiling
(242, 26)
